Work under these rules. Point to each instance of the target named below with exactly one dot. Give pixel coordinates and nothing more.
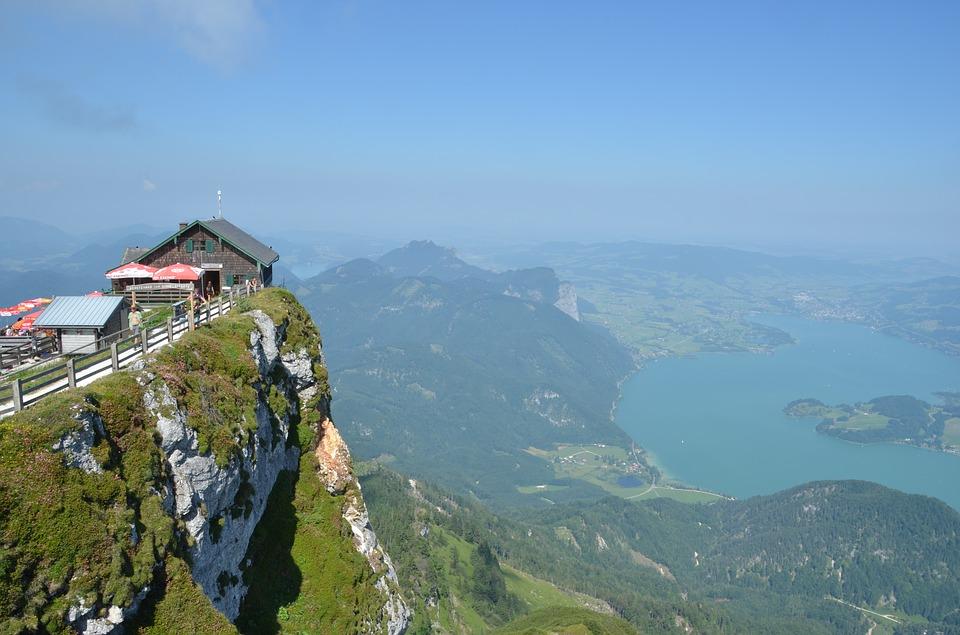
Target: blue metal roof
(73, 311)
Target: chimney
(183, 225)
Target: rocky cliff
(142, 502)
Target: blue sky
(815, 123)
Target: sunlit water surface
(716, 420)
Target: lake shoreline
(715, 422)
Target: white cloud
(148, 185)
(217, 32)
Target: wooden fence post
(17, 387)
(190, 323)
(71, 373)
(170, 329)
(144, 341)
(114, 357)
(220, 306)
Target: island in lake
(891, 419)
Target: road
(860, 608)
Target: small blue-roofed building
(83, 324)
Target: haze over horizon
(818, 127)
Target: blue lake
(716, 420)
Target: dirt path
(654, 486)
(867, 611)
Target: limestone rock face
(77, 444)
(218, 517)
(567, 302)
(299, 366)
(263, 342)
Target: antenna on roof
(219, 208)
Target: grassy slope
(179, 606)
(571, 621)
(457, 610)
(306, 575)
(529, 555)
(65, 533)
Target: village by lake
(716, 420)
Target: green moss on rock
(65, 533)
(212, 376)
(282, 307)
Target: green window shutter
(209, 246)
(189, 246)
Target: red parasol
(26, 322)
(23, 307)
(178, 271)
(131, 270)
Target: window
(188, 247)
(209, 245)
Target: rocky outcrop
(83, 618)
(220, 506)
(568, 301)
(333, 459)
(336, 473)
(217, 501)
(551, 405)
(77, 444)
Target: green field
(951, 432)
(842, 417)
(605, 466)
(863, 421)
(598, 464)
(540, 489)
(892, 418)
(671, 313)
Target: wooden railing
(15, 350)
(157, 293)
(30, 386)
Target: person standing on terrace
(136, 318)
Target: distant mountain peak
(352, 270)
(420, 258)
